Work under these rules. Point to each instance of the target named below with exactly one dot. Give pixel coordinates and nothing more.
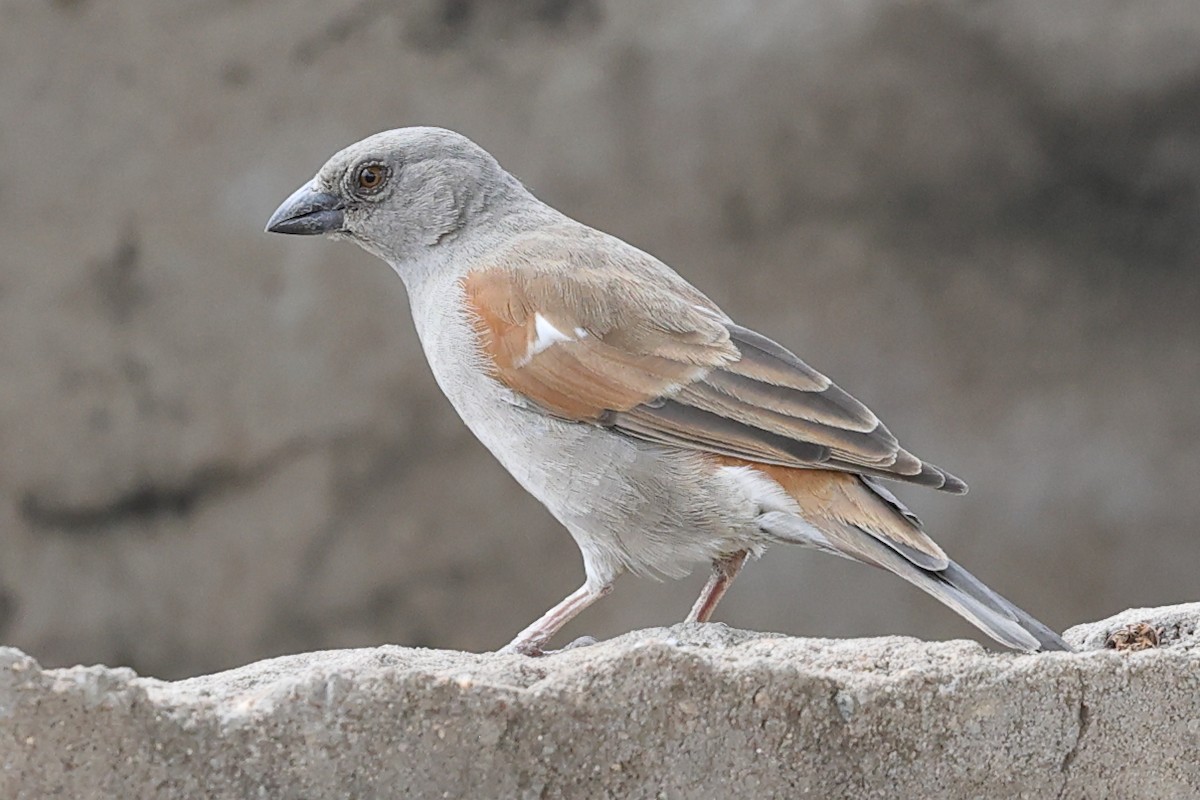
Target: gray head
(400, 192)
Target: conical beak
(308, 213)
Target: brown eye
(370, 178)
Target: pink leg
(530, 641)
(724, 570)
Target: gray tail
(953, 585)
(988, 611)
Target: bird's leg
(724, 570)
(530, 641)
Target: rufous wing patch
(552, 348)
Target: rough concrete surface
(683, 712)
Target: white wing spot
(545, 336)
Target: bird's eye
(370, 177)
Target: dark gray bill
(308, 213)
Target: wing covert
(662, 363)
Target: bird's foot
(582, 641)
(534, 649)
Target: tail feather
(966, 594)
(861, 520)
(952, 585)
(966, 583)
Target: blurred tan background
(218, 445)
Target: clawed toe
(522, 649)
(582, 641)
(534, 650)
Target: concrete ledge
(681, 712)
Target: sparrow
(659, 432)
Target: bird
(659, 432)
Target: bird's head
(398, 193)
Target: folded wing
(623, 344)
